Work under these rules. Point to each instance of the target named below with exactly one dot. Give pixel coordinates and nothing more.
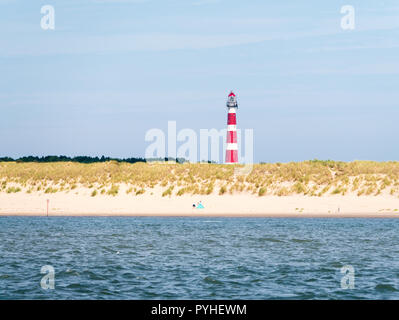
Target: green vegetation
(113, 191)
(222, 190)
(336, 191)
(13, 190)
(78, 159)
(282, 192)
(129, 190)
(181, 191)
(298, 188)
(311, 178)
(51, 190)
(168, 192)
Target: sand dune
(311, 188)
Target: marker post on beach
(48, 201)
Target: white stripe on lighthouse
(231, 127)
(232, 146)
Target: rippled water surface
(198, 258)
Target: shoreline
(238, 216)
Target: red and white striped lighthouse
(232, 146)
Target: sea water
(198, 258)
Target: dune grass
(310, 178)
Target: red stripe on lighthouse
(231, 118)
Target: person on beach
(200, 206)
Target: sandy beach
(237, 205)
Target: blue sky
(111, 70)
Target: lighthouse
(232, 146)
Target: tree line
(85, 159)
